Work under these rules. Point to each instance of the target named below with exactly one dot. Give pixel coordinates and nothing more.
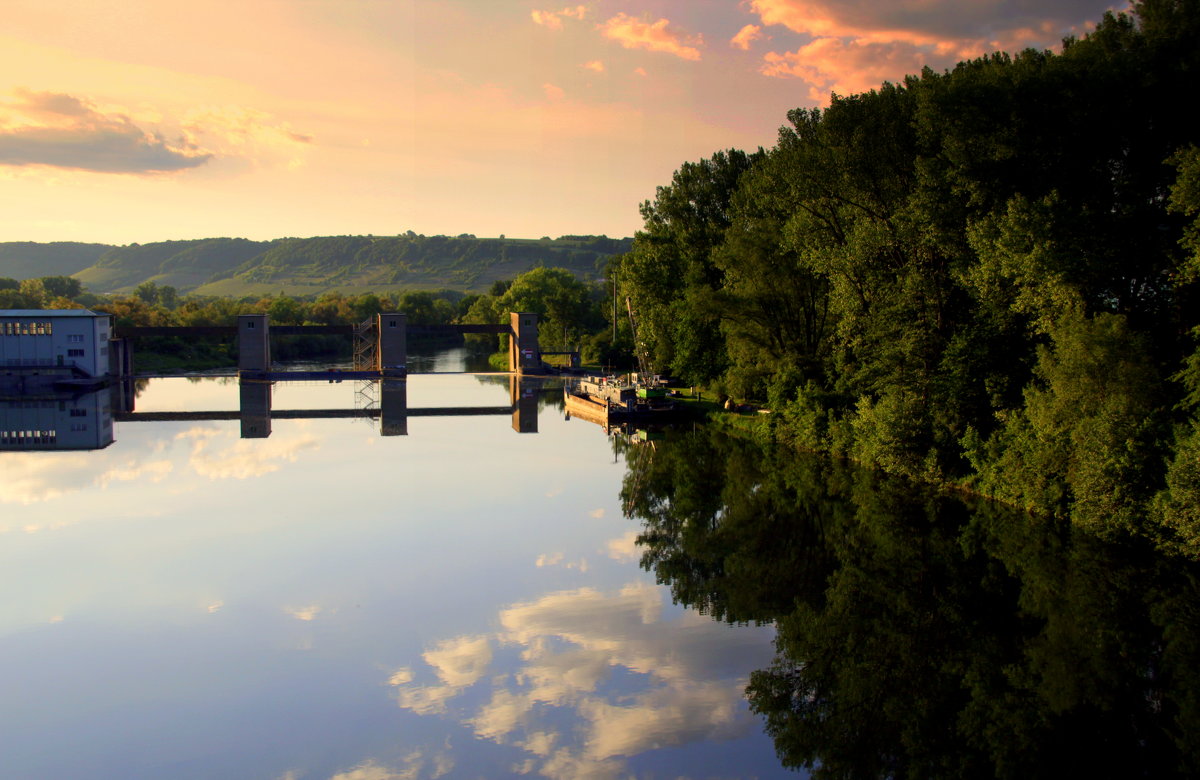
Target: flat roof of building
(51, 313)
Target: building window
(75, 338)
(77, 427)
(250, 324)
(75, 353)
(79, 412)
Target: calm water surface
(463, 600)
(327, 602)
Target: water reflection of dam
(392, 411)
(84, 421)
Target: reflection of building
(50, 338)
(524, 394)
(255, 405)
(56, 422)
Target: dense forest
(306, 267)
(982, 278)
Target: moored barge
(608, 402)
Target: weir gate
(380, 356)
(380, 343)
(390, 408)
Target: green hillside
(308, 266)
(27, 260)
(184, 265)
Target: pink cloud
(635, 34)
(961, 25)
(553, 92)
(553, 19)
(747, 35)
(58, 130)
(857, 44)
(845, 67)
(595, 65)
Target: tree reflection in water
(924, 635)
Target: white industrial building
(48, 338)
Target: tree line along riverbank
(983, 277)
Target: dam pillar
(524, 354)
(254, 342)
(120, 358)
(391, 353)
(523, 394)
(393, 404)
(254, 408)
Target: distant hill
(307, 266)
(26, 260)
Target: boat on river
(609, 401)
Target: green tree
(34, 293)
(285, 311)
(564, 305)
(671, 275)
(62, 287)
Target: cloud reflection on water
(215, 453)
(46, 476)
(235, 458)
(599, 678)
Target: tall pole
(614, 341)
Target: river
(466, 600)
(328, 602)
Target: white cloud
(48, 475)
(558, 559)
(624, 548)
(460, 662)
(219, 454)
(372, 770)
(307, 614)
(503, 715)
(426, 699)
(692, 672)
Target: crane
(645, 372)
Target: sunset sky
(143, 121)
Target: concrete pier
(254, 342)
(523, 394)
(524, 355)
(255, 405)
(393, 407)
(392, 351)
